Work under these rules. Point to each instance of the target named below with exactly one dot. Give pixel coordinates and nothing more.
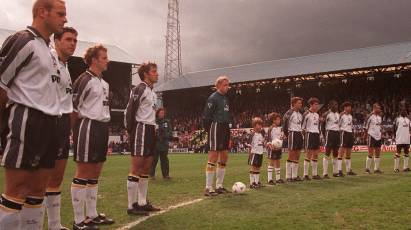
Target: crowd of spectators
(185, 111)
(248, 102)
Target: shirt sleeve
(208, 113)
(305, 120)
(286, 120)
(367, 122)
(81, 89)
(133, 104)
(15, 54)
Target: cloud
(217, 33)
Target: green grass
(360, 202)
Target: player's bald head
(44, 4)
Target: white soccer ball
(239, 187)
(277, 143)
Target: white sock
(32, 214)
(368, 163)
(132, 188)
(91, 198)
(377, 163)
(251, 177)
(335, 167)
(9, 215)
(295, 170)
(277, 174)
(210, 172)
(52, 202)
(270, 173)
(306, 167)
(348, 164)
(325, 165)
(339, 164)
(78, 198)
(314, 167)
(396, 162)
(220, 175)
(406, 158)
(257, 177)
(288, 169)
(142, 190)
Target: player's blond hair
(220, 80)
(93, 52)
(256, 120)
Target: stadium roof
(115, 53)
(383, 55)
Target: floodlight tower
(173, 66)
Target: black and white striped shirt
(90, 97)
(373, 126)
(311, 122)
(402, 127)
(65, 90)
(27, 71)
(332, 121)
(141, 106)
(346, 122)
(292, 121)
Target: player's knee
(222, 164)
(211, 166)
(37, 190)
(18, 190)
(55, 182)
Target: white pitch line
(133, 224)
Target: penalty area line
(135, 223)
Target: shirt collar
(151, 87)
(92, 73)
(36, 33)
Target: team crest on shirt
(55, 77)
(209, 105)
(226, 108)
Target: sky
(220, 33)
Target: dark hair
(295, 100)
(346, 104)
(330, 103)
(273, 116)
(313, 100)
(93, 52)
(145, 68)
(58, 36)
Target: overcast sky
(218, 33)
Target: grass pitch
(360, 202)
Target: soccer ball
(277, 143)
(238, 187)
